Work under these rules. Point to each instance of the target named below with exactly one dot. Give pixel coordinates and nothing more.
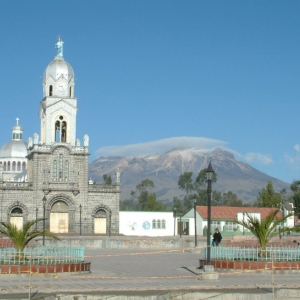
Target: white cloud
(293, 160)
(297, 148)
(258, 157)
(161, 146)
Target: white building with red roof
(222, 218)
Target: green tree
(295, 188)
(127, 205)
(21, 237)
(216, 197)
(107, 179)
(268, 197)
(231, 199)
(265, 230)
(153, 204)
(146, 197)
(201, 178)
(178, 205)
(145, 185)
(185, 182)
(296, 199)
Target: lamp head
(209, 172)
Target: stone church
(49, 174)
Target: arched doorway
(16, 217)
(59, 217)
(100, 221)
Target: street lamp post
(174, 216)
(209, 173)
(180, 225)
(36, 216)
(195, 200)
(80, 208)
(44, 216)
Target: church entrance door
(16, 217)
(59, 217)
(100, 222)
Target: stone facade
(57, 169)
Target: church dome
(57, 68)
(14, 149)
(59, 76)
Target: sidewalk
(120, 270)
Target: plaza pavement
(138, 270)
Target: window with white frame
(158, 224)
(153, 224)
(230, 226)
(215, 224)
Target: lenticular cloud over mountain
(160, 146)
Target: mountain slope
(165, 169)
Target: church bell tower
(58, 108)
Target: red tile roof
(228, 212)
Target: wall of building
(137, 223)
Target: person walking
(217, 238)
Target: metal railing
(277, 253)
(41, 255)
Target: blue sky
(154, 74)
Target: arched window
(4, 166)
(64, 132)
(163, 224)
(19, 166)
(66, 170)
(23, 165)
(153, 224)
(60, 172)
(59, 206)
(50, 90)
(60, 130)
(8, 166)
(57, 131)
(70, 92)
(17, 210)
(54, 169)
(158, 224)
(14, 166)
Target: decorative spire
(60, 47)
(17, 131)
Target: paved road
(139, 270)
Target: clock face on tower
(61, 87)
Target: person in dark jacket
(217, 237)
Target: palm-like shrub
(265, 230)
(21, 237)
